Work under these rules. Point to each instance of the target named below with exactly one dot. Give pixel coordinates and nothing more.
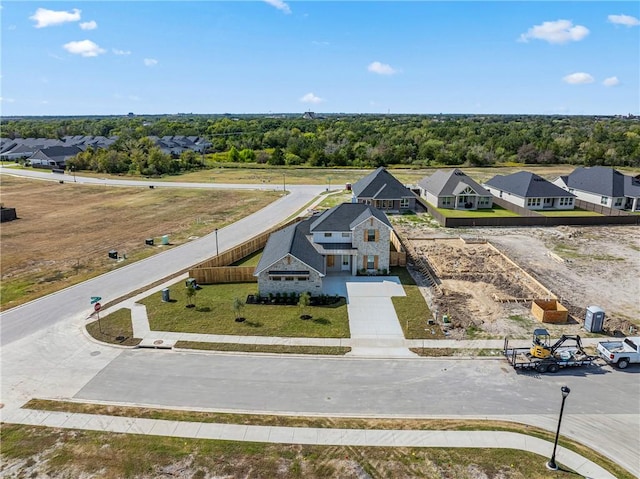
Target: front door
(346, 262)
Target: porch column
(635, 204)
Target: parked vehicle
(621, 353)
(544, 357)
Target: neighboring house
(530, 191)
(603, 186)
(53, 156)
(382, 190)
(455, 190)
(346, 239)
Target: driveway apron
(374, 325)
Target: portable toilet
(594, 320)
(165, 239)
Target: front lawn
(214, 314)
(412, 310)
(495, 212)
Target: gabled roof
(58, 153)
(604, 181)
(527, 185)
(345, 217)
(291, 240)
(380, 185)
(448, 183)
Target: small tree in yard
(303, 303)
(237, 306)
(191, 295)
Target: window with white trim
(604, 200)
(404, 202)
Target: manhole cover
(158, 342)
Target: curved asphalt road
(26, 319)
(46, 354)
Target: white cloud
(626, 20)
(85, 48)
(6, 100)
(381, 68)
(280, 5)
(578, 78)
(121, 52)
(92, 25)
(311, 98)
(560, 31)
(47, 18)
(149, 62)
(611, 81)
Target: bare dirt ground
(64, 231)
(581, 266)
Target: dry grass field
(65, 231)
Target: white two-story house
(350, 238)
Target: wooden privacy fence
(399, 256)
(217, 269)
(224, 274)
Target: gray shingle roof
(297, 239)
(291, 240)
(604, 181)
(448, 183)
(380, 185)
(345, 216)
(527, 185)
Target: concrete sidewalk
(142, 330)
(310, 436)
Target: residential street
(46, 353)
(24, 320)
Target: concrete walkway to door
(375, 329)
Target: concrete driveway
(375, 329)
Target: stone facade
(313, 284)
(379, 248)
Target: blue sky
(153, 57)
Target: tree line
(351, 140)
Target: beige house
(347, 239)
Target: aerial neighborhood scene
(283, 239)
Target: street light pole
(73, 170)
(552, 462)
(216, 241)
(284, 183)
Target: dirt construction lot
(485, 295)
(65, 231)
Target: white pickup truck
(622, 353)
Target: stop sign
(96, 307)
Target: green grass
(567, 251)
(80, 453)
(22, 441)
(574, 212)
(115, 328)
(412, 310)
(251, 260)
(335, 199)
(495, 212)
(213, 314)
(264, 348)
